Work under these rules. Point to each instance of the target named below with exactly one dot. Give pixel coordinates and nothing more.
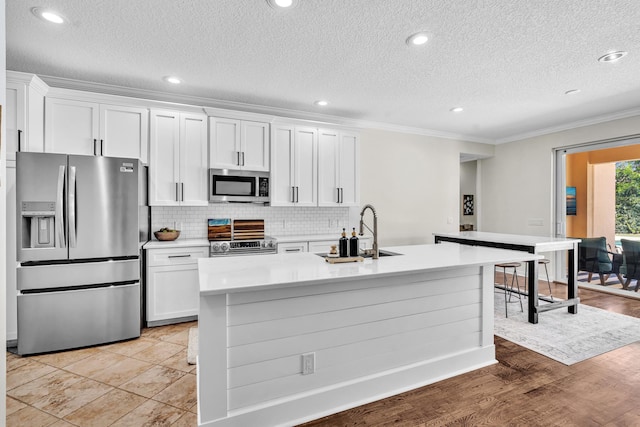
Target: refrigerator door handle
(72, 206)
(59, 220)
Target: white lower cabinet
(320, 246)
(172, 287)
(292, 247)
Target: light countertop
(540, 243)
(178, 243)
(259, 272)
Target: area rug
(567, 338)
(192, 347)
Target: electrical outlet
(308, 363)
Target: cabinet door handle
(180, 256)
(297, 194)
(243, 158)
(95, 148)
(237, 158)
(292, 250)
(19, 140)
(341, 195)
(177, 191)
(338, 196)
(182, 191)
(293, 194)
(102, 147)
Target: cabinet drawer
(176, 256)
(292, 247)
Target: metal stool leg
(504, 280)
(515, 277)
(548, 281)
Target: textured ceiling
(508, 63)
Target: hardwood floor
(523, 389)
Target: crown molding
(572, 125)
(217, 105)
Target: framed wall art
(467, 204)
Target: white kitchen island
(288, 338)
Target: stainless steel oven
(239, 237)
(227, 185)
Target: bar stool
(543, 261)
(514, 277)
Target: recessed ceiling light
(322, 103)
(418, 39)
(282, 4)
(612, 56)
(173, 80)
(457, 110)
(48, 15)
(572, 92)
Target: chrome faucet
(374, 251)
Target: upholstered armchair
(631, 267)
(593, 257)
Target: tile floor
(142, 382)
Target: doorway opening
(589, 202)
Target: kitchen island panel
(348, 296)
(372, 338)
(362, 348)
(314, 322)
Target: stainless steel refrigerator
(80, 225)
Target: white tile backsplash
(278, 221)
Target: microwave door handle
(58, 218)
(72, 206)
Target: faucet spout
(376, 253)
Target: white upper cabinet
(124, 131)
(338, 168)
(24, 113)
(238, 144)
(178, 163)
(193, 160)
(78, 126)
(294, 166)
(71, 126)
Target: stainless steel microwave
(226, 185)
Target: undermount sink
(381, 253)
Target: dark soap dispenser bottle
(353, 244)
(343, 244)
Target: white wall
(3, 220)
(413, 182)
